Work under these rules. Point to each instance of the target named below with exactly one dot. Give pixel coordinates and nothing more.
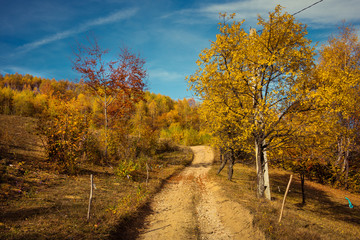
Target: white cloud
(330, 11)
(325, 12)
(163, 75)
(247, 8)
(183, 37)
(117, 16)
(9, 69)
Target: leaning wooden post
(287, 190)
(91, 196)
(147, 173)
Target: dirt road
(192, 207)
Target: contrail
(117, 16)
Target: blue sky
(37, 36)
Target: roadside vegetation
(269, 96)
(40, 202)
(326, 214)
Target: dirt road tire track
(190, 206)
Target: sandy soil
(191, 206)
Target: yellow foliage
(250, 81)
(65, 129)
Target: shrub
(92, 149)
(64, 135)
(127, 169)
(166, 145)
(185, 136)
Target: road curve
(190, 206)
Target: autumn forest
(271, 97)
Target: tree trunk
(346, 167)
(223, 159)
(106, 127)
(223, 163)
(338, 161)
(343, 161)
(231, 157)
(302, 177)
(266, 176)
(340, 152)
(259, 172)
(85, 143)
(263, 184)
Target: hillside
(18, 135)
(38, 202)
(326, 214)
(21, 151)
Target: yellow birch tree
(256, 79)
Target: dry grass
(17, 138)
(326, 214)
(38, 203)
(21, 151)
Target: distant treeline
(71, 113)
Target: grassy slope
(326, 214)
(38, 203)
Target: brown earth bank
(192, 206)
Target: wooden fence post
(287, 190)
(147, 173)
(91, 196)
